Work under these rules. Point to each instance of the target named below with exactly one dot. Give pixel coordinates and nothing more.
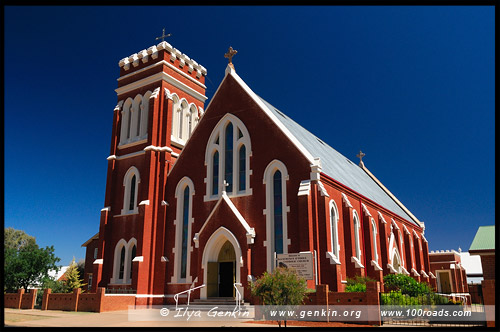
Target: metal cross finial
(163, 36)
(360, 155)
(224, 186)
(230, 53)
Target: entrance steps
(222, 304)
(226, 301)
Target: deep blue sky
(413, 87)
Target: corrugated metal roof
(484, 239)
(338, 167)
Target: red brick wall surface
(488, 265)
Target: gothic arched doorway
(221, 274)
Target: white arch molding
(211, 254)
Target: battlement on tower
(162, 52)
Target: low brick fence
(95, 302)
(371, 298)
(20, 300)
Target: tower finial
(360, 155)
(230, 53)
(163, 36)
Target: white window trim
(357, 239)
(129, 114)
(390, 265)
(127, 179)
(268, 182)
(177, 250)
(334, 254)
(127, 264)
(374, 240)
(182, 114)
(219, 131)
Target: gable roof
(484, 239)
(333, 164)
(338, 167)
(95, 237)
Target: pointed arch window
(227, 158)
(134, 120)
(183, 223)
(184, 120)
(215, 174)
(333, 255)
(374, 240)
(356, 228)
(122, 264)
(131, 183)
(125, 253)
(242, 164)
(132, 256)
(131, 203)
(277, 213)
(275, 178)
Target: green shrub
(357, 284)
(406, 284)
(355, 288)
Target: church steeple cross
(163, 36)
(360, 155)
(230, 53)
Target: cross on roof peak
(360, 155)
(230, 53)
(163, 36)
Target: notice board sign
(301, 262)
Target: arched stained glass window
(122, 263)
(185, 225)
(334, 235)
(131, 204)
(242, 168)
(277, 213)
(356, 235)
(215, 173)
(131, 259)
(228, 154)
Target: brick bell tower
(161, 95)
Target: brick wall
(95, 302)
(20, 300)
(489, 300)
(488, 264)
(371, 297)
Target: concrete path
(55, 318)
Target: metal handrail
(238, 295)
(176, 296)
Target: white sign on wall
(301, 262)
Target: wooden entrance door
(444, 281)
(226, 279)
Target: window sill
(130, 213)
(375, 265)
(357, 263)
(130, 143)
(333, 259)
(177, 142)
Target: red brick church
(207, 194)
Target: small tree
(281, 287)
(72, 278)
